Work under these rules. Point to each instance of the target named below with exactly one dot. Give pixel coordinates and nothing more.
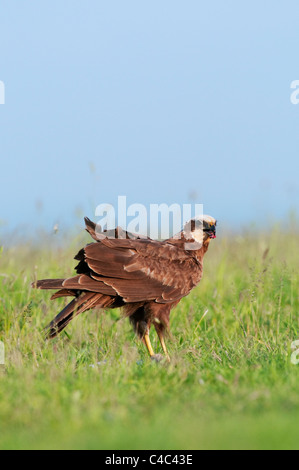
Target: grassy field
(231, 383)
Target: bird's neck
(202, 251)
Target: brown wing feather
(91, 228)
(140, 270)
(85, 282)
(95, 231)
(135, 269)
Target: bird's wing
(96, 232)
(139, 270)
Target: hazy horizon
(164, 103)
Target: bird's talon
(158, 357)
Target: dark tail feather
(64, 293)
(84, 302)
(61, 320)
(48, 284)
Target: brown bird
(146, 277)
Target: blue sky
(161, 101)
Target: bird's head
(209, 226)
(201, 229)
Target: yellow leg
(161, 338)
(147, 342)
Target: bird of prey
(146, 277)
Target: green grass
(231, 383)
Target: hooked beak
(211, 231)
